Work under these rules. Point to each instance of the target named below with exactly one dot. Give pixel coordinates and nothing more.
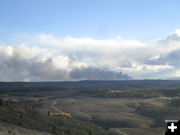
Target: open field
(124, 107)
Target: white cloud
(44, 56)
(156, 57)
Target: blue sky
(48, 40)
(142, 20)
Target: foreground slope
(27, 120)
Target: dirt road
(54, 107)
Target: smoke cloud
(92, 73)
(44, 57)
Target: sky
(44, 40)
